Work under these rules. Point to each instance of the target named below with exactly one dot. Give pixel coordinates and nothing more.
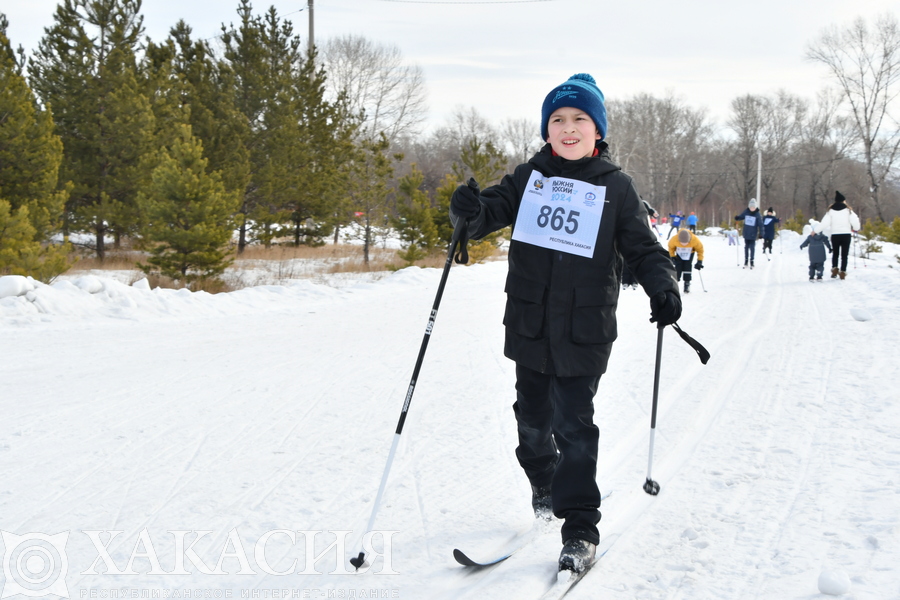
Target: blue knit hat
(580, 92)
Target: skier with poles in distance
(840, 221)
(753, 229)
(769, 222)
(682, 249)
(675, 223)
(575, 215)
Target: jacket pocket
(524, 306)
(594, 315)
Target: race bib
(684, 253)
(560, 214)
(750, 221)
(767, 220)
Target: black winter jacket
(561, 308)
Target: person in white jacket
(841, 222)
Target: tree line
(192, 149)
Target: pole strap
(702, 352)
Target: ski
(566, 580)
(466, 561)
(522, 541)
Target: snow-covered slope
(272, 409)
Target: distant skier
(840, 221)
(692, 222)
(732, 236)
(675, 223)
(682, 249)
(817, 242)
(769, 222)
(753, 228)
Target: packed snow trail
(273, 409)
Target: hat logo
(564, 93)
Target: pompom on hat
(579, 91)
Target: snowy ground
(269, 411)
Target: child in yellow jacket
(682, 248)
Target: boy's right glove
(665, 308)
(465, 203)
(699, 265)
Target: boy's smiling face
(572, 133)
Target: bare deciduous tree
(866, 64)
(522, 139)
(377, 81)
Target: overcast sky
(503, 57)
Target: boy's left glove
(665, 308)
(699, 265)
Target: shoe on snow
(842, 274)
(834, 272)
(576, 555)
(541, 502)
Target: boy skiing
(753, 228)
(817, 242)
(575, 216)
(682, 248)
(675, 223)
(769, 222)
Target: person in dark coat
(817, 242)
(575, 216)
(769, 222)
(753, 229)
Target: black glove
(465, 203)
(675, 262)
(699, 265)
(665, 308)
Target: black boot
(576, 555)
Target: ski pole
(459, 238)
(700, 275)
(650, 486)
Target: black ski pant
(671, 229)
(628, 277)
(840, 244)
(749, 250)
(682, 268)
(767, 244)
(558, 445)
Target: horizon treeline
(184, 147)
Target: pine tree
(297, 140)
(415, 218)
(189, 85)
(30, 156)
(188, 213)
(369, 174)
(84, 71)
